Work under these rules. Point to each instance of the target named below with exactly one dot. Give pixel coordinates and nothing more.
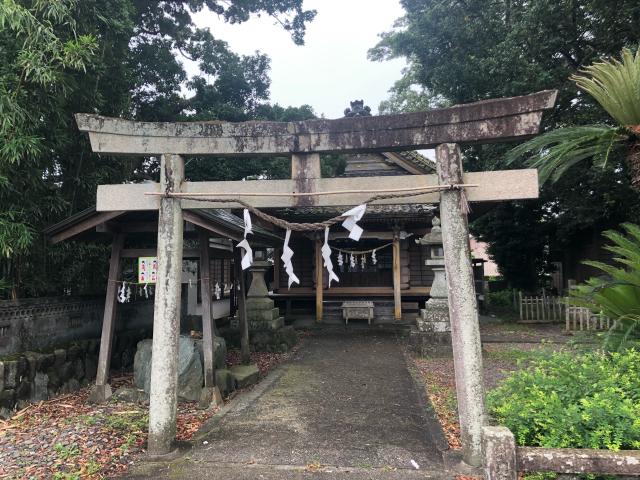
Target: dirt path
(347, 404)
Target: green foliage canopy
(467, 51)
(118, 58)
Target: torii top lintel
(481, 122)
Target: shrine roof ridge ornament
(480, 122)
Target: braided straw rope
(318, 226)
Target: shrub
(617, 295)
(573, 401)
(500, 299)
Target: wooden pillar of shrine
(208, 325)
(245, 351)
(166, 317)
(101, 391)
(397, 296)
(319, 279)
(463, 310)
(276, 269)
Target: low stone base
(225, 382)
(266, 340)
(210, 397)
(99, 393)
(245, 375)
(430, 343)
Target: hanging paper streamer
(247, 223)
(286, 256)
(340, 259)
(124, 293)
(374, 260)
(217, 291)
(146, 290)
(350, 223)
(352, 261)
(363, 261)
(326, 255)
(247, 258)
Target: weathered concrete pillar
(499, 446)
(166, 317)
(463, 310)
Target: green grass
(516, 355)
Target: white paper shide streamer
(350, 223)
(247, 258)
(326, 255)
(286, 256)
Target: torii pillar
(463, 308)
(166, 315)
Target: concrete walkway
(346, 407)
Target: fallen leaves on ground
(68, 438)
(439, 377)
(264, 360)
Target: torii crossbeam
(443, 129)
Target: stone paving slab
(348, 400)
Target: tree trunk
(633, 163)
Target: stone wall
(41, 323)
(34, 376)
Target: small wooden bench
(356, 309)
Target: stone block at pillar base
(210, 397)
(99, 393)
(224, 381)
(245, 375)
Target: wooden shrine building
(395, 278)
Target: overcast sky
(332, 67)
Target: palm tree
(615, 85)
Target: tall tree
(473, 50)
(117, 58)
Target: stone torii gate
(443, 129)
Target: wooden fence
(581, 318)
(541, 308)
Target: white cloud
(332, 67)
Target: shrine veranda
(177, 201)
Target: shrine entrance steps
(347, 406)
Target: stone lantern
(261, 311)
(434, 318)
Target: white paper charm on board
(287, 255)
(326, 255)
(350, 223)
